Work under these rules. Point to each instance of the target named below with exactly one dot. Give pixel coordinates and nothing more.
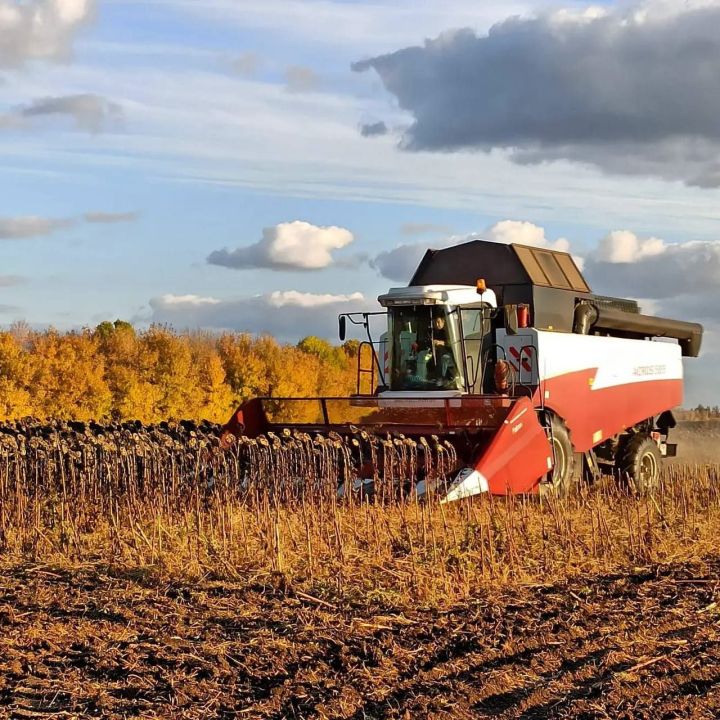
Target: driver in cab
(442, 354)
(439, 332)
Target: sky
(262, 166)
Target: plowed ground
(90, 644)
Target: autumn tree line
(115, 372)
(699, 413)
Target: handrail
(365, 371)
(365, 323)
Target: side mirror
(342, 322)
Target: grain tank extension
(499, 371)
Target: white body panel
(619, 361)
(453, 295)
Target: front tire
(638, 462)
(561, 477)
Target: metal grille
(618, 303)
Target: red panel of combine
(249, 419)
(441, 416)
(593, 415)
(518, 455)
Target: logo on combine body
(644, 370)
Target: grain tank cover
(548, 281)
(500, 265)
(550, 268)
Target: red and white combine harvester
(503, 356)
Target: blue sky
(210, 121)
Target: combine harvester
(500, 372)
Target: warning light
(481, 286)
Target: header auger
(500, 371)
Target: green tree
(322, 349)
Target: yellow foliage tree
(67, 376)
(117, 373)
(216, 396)
(15, 396)
(128, 368)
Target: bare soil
(87, 643)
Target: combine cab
(500, 372)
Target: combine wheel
(561, 477)
(638, 462)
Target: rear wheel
(639, 462)
(561, 477)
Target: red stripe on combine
(608, 410)
(518, 355)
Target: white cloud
(523, 233)
(294, 245)
(683, 277)
(578, 15)
(29, 226)
(623, 246)
(281, 298)
(39, 30)
(400, 263)
(648, 306)
(186, 301)
(660, 10)
(287, 315)
(13, 228)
